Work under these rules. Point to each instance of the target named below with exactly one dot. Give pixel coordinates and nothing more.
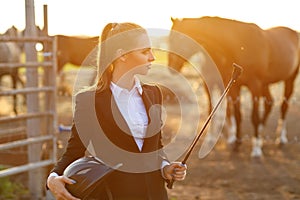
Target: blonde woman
(125, 112)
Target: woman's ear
(121, 55)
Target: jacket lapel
(108, 112)
(153, 109)
(147, 97)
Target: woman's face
(136, 58)
(139, 61)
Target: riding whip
(235, 74)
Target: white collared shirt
(132, 108)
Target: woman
(128, 117)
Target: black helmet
(89, 173)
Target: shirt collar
(138, 86)
(117, 89)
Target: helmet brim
(89, 173)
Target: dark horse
(10, 52)
(74, 50)
(267, 56)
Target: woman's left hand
(175, 171)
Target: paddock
(220, 175)
(223, 174)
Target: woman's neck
(123, 81)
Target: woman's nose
(151, 56)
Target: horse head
(181, 46)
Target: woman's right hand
(56, 184)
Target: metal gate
(32, 133)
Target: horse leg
(22, 84)
(235, 118)
(230, 122)
(14, 83)
(257, 141)
(238, 120)
(213, 128)
(210, 97)
(220, 122)
(259, 123)
(268, 104)
(281, 131)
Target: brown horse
(267, 56)
(73, 49)
(77, 51)
(10, 52)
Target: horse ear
(173, 19)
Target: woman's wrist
(163, 165)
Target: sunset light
(157, 99)
(79, 17)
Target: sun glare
(88, 17)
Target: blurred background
(43, 112)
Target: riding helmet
(89, 174)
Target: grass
(10, 190)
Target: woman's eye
(146, 51)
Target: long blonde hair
(105, 70)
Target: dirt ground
(227, 175)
